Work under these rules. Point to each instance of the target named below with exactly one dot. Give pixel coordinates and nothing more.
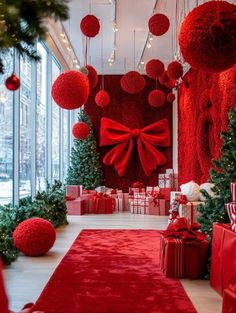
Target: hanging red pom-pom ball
(175, 70)
(154, 68)
(70, 90)
(156, 98)
(12, 83)
(34, 236)
(102, 98)
(158, 24)
(164, 78)
(90, 26)
(132, 82)
(80, 130)
(207, 36)
(170, 97)
(92, 76)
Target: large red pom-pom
(102, 98)
(175, 70)
(170, 97)
(154, 68)
(207, 36)
(156, 98)
(132, 82)
(80, 130)
(34, 236)
(90, 25)
(92, 76)
(70, 90)
(158, 24)
(164, 78)
(12, 83)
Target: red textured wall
(202, 116)
(134, 112)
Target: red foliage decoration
(170, 97)
(102, 98)
(90, 25)
(158, 24)
(132, 82)
(154, 68)
(12, 83)
(80, 130)
(70, 90)
(92, 76)
(156, 98)
(207, 36)
(34, 236)
(175, 70)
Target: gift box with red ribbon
(89, 192)
(76, 207)
(165, 193)
(229, 299)
(233, 191)
(223, 264)
(126, 202)
(89, 199)
(74, 191)
(103, 204)
(189, 210)
(231, 209)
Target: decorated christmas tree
(223, 173)
(85, 168)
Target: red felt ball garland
(80, 130)
(175, 70)
(158, 24)
(156, 98)
(154, 68)
(132, 82)
(102, 98)
(90, 25)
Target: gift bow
(114, 133)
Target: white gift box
(173, 194)
(169, 171)
(166, 181)
(152, 189)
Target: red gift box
(165, 193)
(76, 207)
(233, 191)
(231, 209)
(74, 191)
(90, 192)
(89, 199)
(223, 259)
(229, 301)
(104, 205)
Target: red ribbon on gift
(69, 198)
(114, 133)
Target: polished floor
(26, 277)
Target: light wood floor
(26, 277)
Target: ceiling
(129, 43)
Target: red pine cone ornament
(158, 24)
(154, 68)
(80, 130)
(170, 97)
(175, 70)
(102, 98)
(12, 83)
(92, 76)
(207, 36)
(132, 82)
(156, 98)
(90, 26)
(70, 90)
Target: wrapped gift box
(76, 207)
(233, 191)
(118, 204)
(74, 191)
(90, 192)
(104, 205)
(229, 301)
(231, 209)
(166, 180)
(189, 211)
(150, 189)
(173, 195)
(165, 193)
(223, 259)
(158, 207)
(136, 190)
(126, 202)
(89, 199)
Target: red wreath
(132, 82)
(80, 130)
(154, 68)
(90, 26)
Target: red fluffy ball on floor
(90, 25)
(156, 98)
(175, 70)
(154, 68)
(80, 130)
(158, 24)
(102, 98)
(92, 76)
(34, 236)
(132, 82)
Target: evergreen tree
(85, 168)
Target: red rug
(113, 271)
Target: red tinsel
(170, 97)
(175, 70)
(12, 83)
(156, 98)
(207, 36)
(102, 98)
(92, 76)
(70, 90)
(80, 130)
(158, 24)
(154, 68)
(132, 82)
(90, 25)
(34, 236)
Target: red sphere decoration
(207, 36)
(158, 24)
(175, 70)
(80, 130)
(132, 82)
(34, 236)
(90, 25)
(164, 79)
(70, 90)
(12, 83)
(92, 76)
(102, 98)
(156, 98)
(154, 68)
(170, 97)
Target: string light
(115, 29)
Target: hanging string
(134, 49)
(125, 70)
(102, 61)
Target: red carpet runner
(113, 271)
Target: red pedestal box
(223, 259)
(229, 301)
(76, 207)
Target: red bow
(114, 133)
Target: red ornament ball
(70, 90)
(132, 82)
(164, 78)
(12, 83)
(80, 130)
(207, 36)
(92, 76)
(158, 24)
(175, 70)
(170, 97)
(154, 68)
(156, 98)
(90, 25)
(34, 236)
(102, 98)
